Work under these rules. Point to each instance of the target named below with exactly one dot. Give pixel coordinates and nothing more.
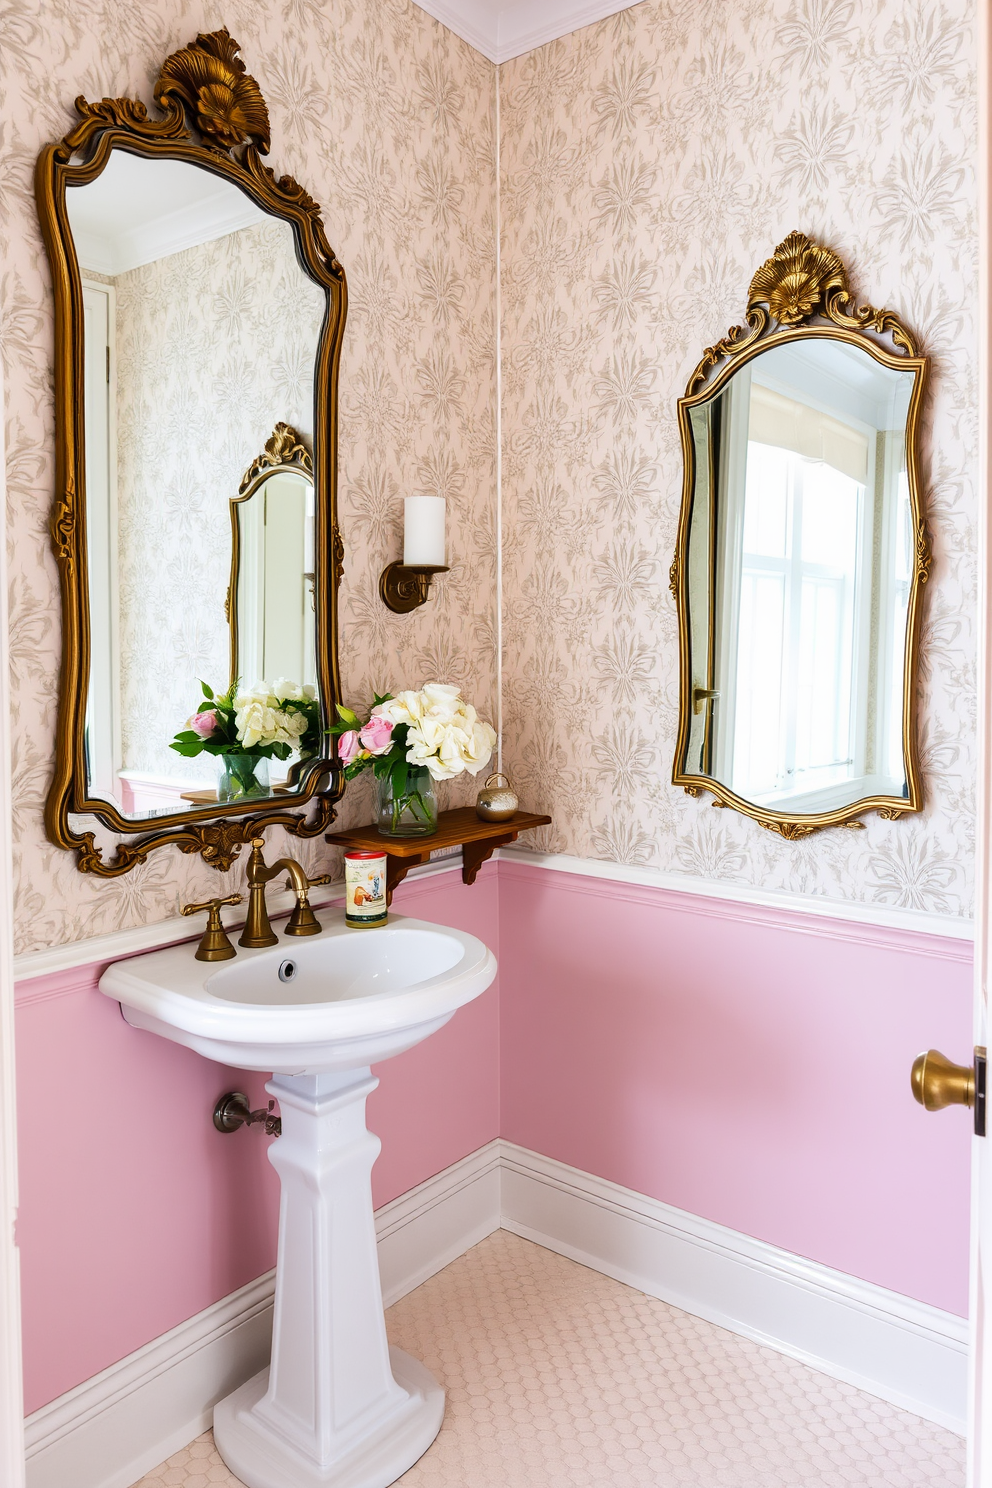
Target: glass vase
(243, 777)
(410, 813)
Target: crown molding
(501, 32)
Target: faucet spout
(258, 930)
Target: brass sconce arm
(403, 589)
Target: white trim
(501, 32)
(916, 922)
(906, 1352)
(115, 1427)
(100, 948)
(11, 1396)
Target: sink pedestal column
(338, 1408)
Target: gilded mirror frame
(285, 454)
(213, 116)
(801, 292)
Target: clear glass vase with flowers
(246, 727)
(409, 741)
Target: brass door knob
(938, 1083)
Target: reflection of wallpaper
(387, 119)
(650, 163)
(215, 345)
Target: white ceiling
(138, 211)
(501, 29)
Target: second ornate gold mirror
(199, 308)
(802, 552)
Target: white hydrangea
(444, 733)
(259, 719)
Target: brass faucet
(303, 921)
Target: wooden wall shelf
(477, 839)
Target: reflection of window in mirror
(801, 552)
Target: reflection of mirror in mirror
(201, 333)
(800, 559)
(272, 621)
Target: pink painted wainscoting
(749, 1065)
(135, 1214)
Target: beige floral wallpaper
(650, 163)
(387, 119)
(215, 345)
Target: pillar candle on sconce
(404, 586)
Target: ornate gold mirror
(199, 307)
(802, 552)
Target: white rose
(477, 753)
(421, 752)
(283, 690)
(440, 701)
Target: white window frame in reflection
(104, 749)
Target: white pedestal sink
(337, 1405)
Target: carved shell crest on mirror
(802, 555)
(184, 267)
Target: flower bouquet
(247, 729)
(409, 741)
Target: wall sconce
(407, 585)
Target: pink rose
(204, 723)
(348, 747)
(376, 735)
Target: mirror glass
(800, 562)
(272, 580)
(201, 334)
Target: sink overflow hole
(287, 971)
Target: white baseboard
(113, 1428)
(906, 1352)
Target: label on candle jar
(365, 888)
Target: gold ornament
(497, 802)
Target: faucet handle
(214, 943)
(322, 878)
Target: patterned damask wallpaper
(215, 346)
(387, 119)
(650, 163)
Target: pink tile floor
(558, 1377)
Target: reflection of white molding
(146, 243)
(914, 922)
(906, 1352)
(113, 1428)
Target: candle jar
(411, 812)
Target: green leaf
(399, 774)
(351, 719)
(186, 750)
(208, 692)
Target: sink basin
(347, 997)
(337, 1408)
